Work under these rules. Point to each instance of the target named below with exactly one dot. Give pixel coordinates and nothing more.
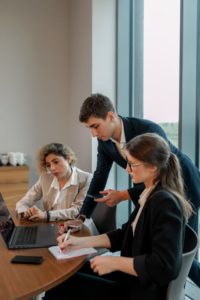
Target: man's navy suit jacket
(108, 153)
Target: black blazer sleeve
(163, 262)
(157, 244)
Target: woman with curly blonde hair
(61, 186)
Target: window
(158, 59)
(161, 64)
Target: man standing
(113, 132)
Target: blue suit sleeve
(98, 183)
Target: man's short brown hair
(97, 105)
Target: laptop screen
(6, 222)
(44, 235)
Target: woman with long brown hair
(151, 242)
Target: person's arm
(113, 197)
(104, 164)
(76, 200)
(102, 240)
(106, 264)
(29, 199)
(35, 214)
(161, 261)
(96, 241)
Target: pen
(67, 235)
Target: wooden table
(21, 282)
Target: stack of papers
(55, 250)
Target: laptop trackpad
(47, 235)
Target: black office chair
(104, 217)
(176, 288)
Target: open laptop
(21, 237)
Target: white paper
(55, 250)
(108, 253)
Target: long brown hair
(152, 149)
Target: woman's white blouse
(142, 200)
(62, 203)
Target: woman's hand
(83, 242)
(107, 264)
(103, 264)
(70, 242)
(36, 214)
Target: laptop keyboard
(26, 235)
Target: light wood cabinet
(14, 182)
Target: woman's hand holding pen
(66, 240)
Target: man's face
(100, 128)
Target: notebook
(22, 237)
(70, 253)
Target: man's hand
(113, 197)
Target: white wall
(80, 76)
(33, 74)
(104, 59)
(92, 60)
(49, 65)
(104, 47)
(92, 64)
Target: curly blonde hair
(57, 149)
